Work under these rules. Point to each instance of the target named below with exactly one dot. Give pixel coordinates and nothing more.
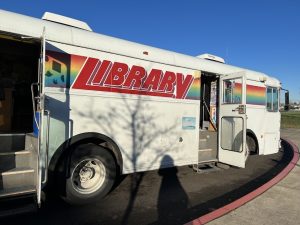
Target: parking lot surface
(169, 196)
(279, 205)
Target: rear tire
(92, 174)
(251, 143)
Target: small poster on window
(213, 94)
(188, 123)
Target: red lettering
(135, 77)
(117, 74)
(102, 72)
(168, 82)
(105, 76)
(85, 73)
(183, 85)
(152, 81)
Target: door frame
(42, 151)
(234, 112)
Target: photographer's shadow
(172, 201)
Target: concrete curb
(239, 202)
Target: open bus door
(40, 119)
(232, 120)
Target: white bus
(79, 108)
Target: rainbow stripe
(195, 89)
(61, 69)
(256, 95)
(76, 65)
(237, 93)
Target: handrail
(210, 120)
(47, 147)
(33, 103)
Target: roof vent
(211, 57)
(65, 20)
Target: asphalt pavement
(169, 196)
(279, 205)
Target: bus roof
(28, 26)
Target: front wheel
(251, 143)
(92, 174)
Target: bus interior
(208, 127)
(18, 70)
(19, 62)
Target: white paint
(145, 128)
(66, 20)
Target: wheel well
(251, 134)
(64, 152)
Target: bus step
(205, 155)
(12, 142)
(17, 177)
(11, 160)
(203, 143)
(206, 167)
(208, 139)
(24, 202)
(19, 191)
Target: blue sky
(260, 35)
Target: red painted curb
(248, 197)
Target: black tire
(250, 141)
(84, 168)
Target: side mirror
(287, 101)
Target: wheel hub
(86, 173)
(88, 176)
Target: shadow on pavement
(167, 196)
(242, 190)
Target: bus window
(232, 133)
(232, 91)
(269, 99)
(272, 99)
(275, 99)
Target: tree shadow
(205, 199)
(132, 117)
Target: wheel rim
(88, 176)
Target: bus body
(103, 106)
